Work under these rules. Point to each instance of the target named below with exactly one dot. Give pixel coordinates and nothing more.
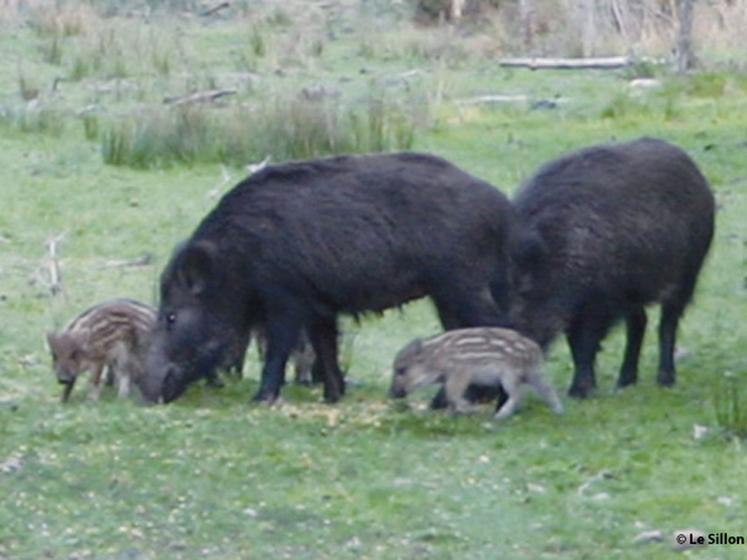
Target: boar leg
(304, 360)
(508, 408)
(323, 335)
(237, 353)
(282, 332)
(584, 335)
(536, 379)
(123, 391)
(68, 389)
(511, 386)
(636, 328)
(671, 311)
(95, 392)
(456, 386)
(670, 316)
(448, 322)
(464, 306)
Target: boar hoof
(665, 378)
(265, 398)
(580, 391)
(331, 397)
(626, 381)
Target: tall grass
(285, 128)
(33, 120)
(63, 20)
(52, 50)
(730, 405)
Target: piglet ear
(197, 265)
(416, 346)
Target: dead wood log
(493, 98)
(145, 260)
(199, 96)
(611, 62)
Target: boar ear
(197, 264)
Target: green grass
(212, 476)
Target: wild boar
(296, 244)
(603, 233)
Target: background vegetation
(98, 143)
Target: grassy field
(211, 476)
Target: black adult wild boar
(294, 245)
(605, 232)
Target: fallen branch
(55, 275)
(145, 260)
(410, 74)
(494, 98)
(215, 9)
(567, 63)
(199, 97)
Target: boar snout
(173, 385)
(68, 388)
(65, 378)
(397, 392)
(151, 383)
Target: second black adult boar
(296, 244)
(607, 231)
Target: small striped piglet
(483, 356)
(114, 334)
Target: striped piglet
(489, 357)
(114, 334)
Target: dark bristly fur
(296, 244)
(114, 334)
(302, 356)
(607, 231)
(485, 357)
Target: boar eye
(399, 371)
(171, 318)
